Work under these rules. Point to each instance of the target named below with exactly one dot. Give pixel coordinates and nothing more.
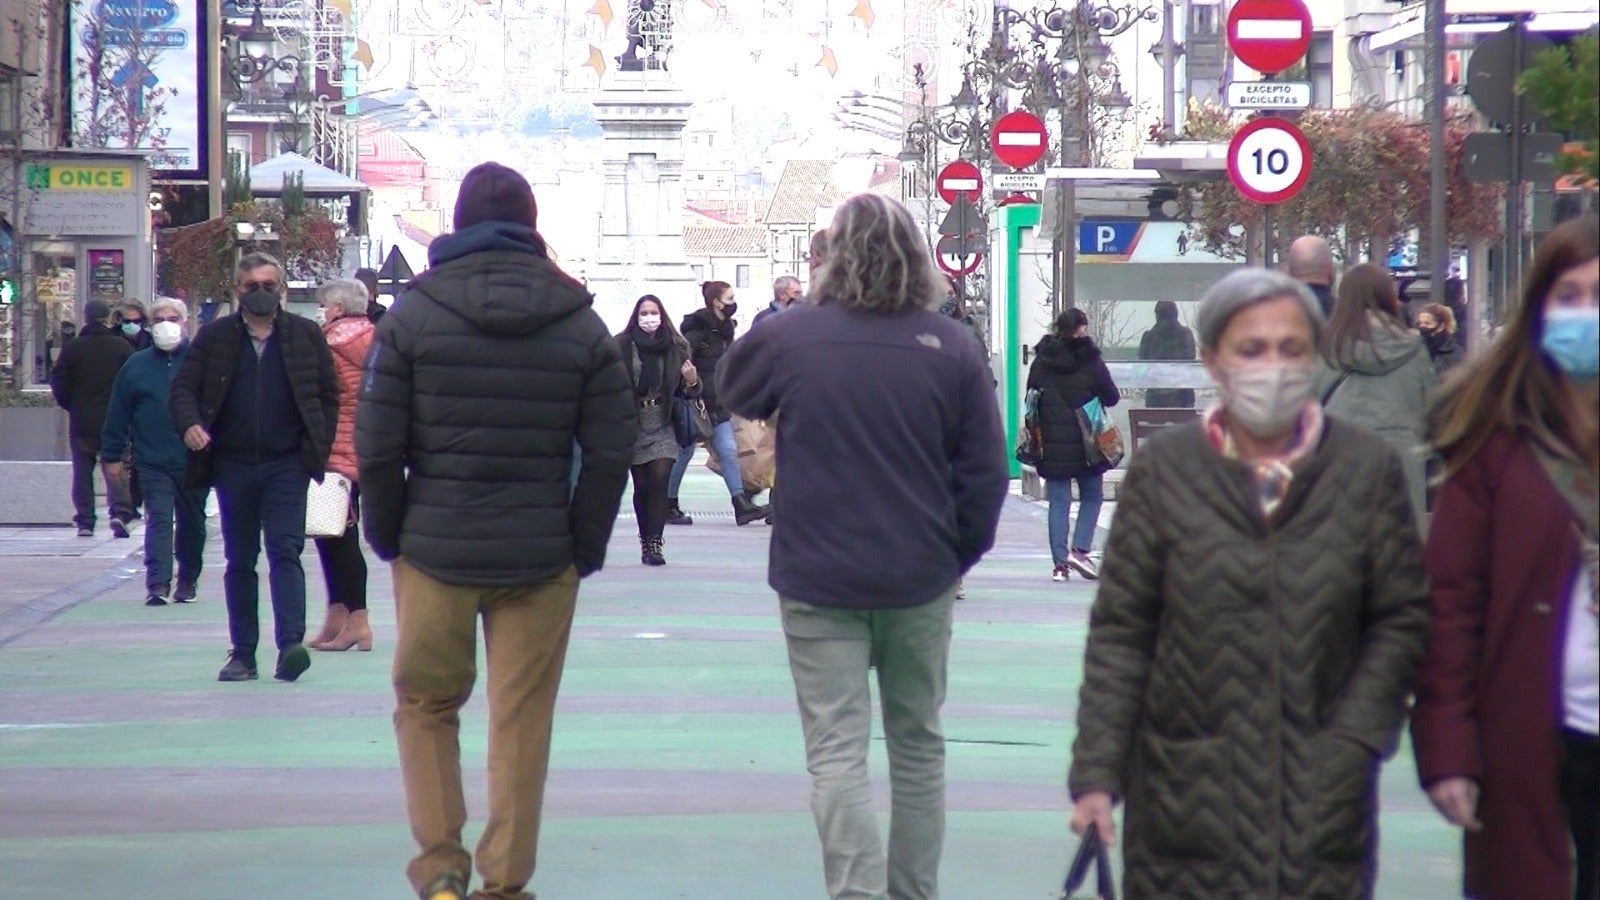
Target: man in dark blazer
(257, 403)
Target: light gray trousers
(830, 652)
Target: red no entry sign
(1018, 139)
(1269, 35)
(1269, 160)
(957, 178)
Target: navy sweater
(890, 451)
(259, 421)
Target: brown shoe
(331, 626)
(356, 633)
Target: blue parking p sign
(1105, 238)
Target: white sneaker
(1080, 561)
(1060, 574)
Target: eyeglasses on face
(248, 286)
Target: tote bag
(328, 506)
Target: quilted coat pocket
(1187, 790)
(1347, 797)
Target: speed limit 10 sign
(1269, 160)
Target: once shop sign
(80, 178)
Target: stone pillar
(641, 222)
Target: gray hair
(1244, 288)
(784, 282)
(172, 303)
(350, 294)
(877, 259)
(252, 261)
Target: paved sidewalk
(127, 771)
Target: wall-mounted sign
(139, 80)
(106, 275)
(69, 197)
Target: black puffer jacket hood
(1066, 355)
(500, 279)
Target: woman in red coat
(344, 568)
(1508, 700)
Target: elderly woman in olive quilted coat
(1262, 610)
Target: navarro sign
(136, 15)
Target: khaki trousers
(525, 631)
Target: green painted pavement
(678, 771)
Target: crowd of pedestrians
(1273, 604)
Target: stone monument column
(642, 114)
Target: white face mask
(167, 335)
(649, 322)
(1266, 400)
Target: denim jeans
(727, 451)
(257, 498)
(167, 502)
(830, 654)
(1059, 492)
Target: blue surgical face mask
(1572, 341)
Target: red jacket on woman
(349, 337)
(1502, 555)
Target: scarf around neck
(652, 350)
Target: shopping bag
(758, 454)
(1102, 440)
(1030, 439)
(328, 506)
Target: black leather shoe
(155, 600)
(293, 661)
(238, 668)
(119, 527)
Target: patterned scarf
(1273, 475)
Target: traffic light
(10, 290)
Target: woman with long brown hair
(657, 360)
(1376, 372)
(1508, 703)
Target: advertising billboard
(139, 81)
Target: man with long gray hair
(137, 419)
(871, 374)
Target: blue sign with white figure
(1103, 238)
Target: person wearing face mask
(1261, 611)
(139, 425)
(348, 330)
(657, 358)
(1506, 724)
(257, 404)
(1438, 327)
(709, 332)
(81, 382)
(1375, 372)
(133, 323)
(1068, 371)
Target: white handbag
(328, 506)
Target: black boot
(650, 552)
(750, 496)
(745, 512)
(675, 514)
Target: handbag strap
(1334, 388)
(1090, 853)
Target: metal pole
(1438, 237)
(1268, 238)
(1169, 70)
(1069, 242)
(1513, 266)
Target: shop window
(50, 309)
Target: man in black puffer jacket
(256, 402)
(483, 374)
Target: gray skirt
(656, 438)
